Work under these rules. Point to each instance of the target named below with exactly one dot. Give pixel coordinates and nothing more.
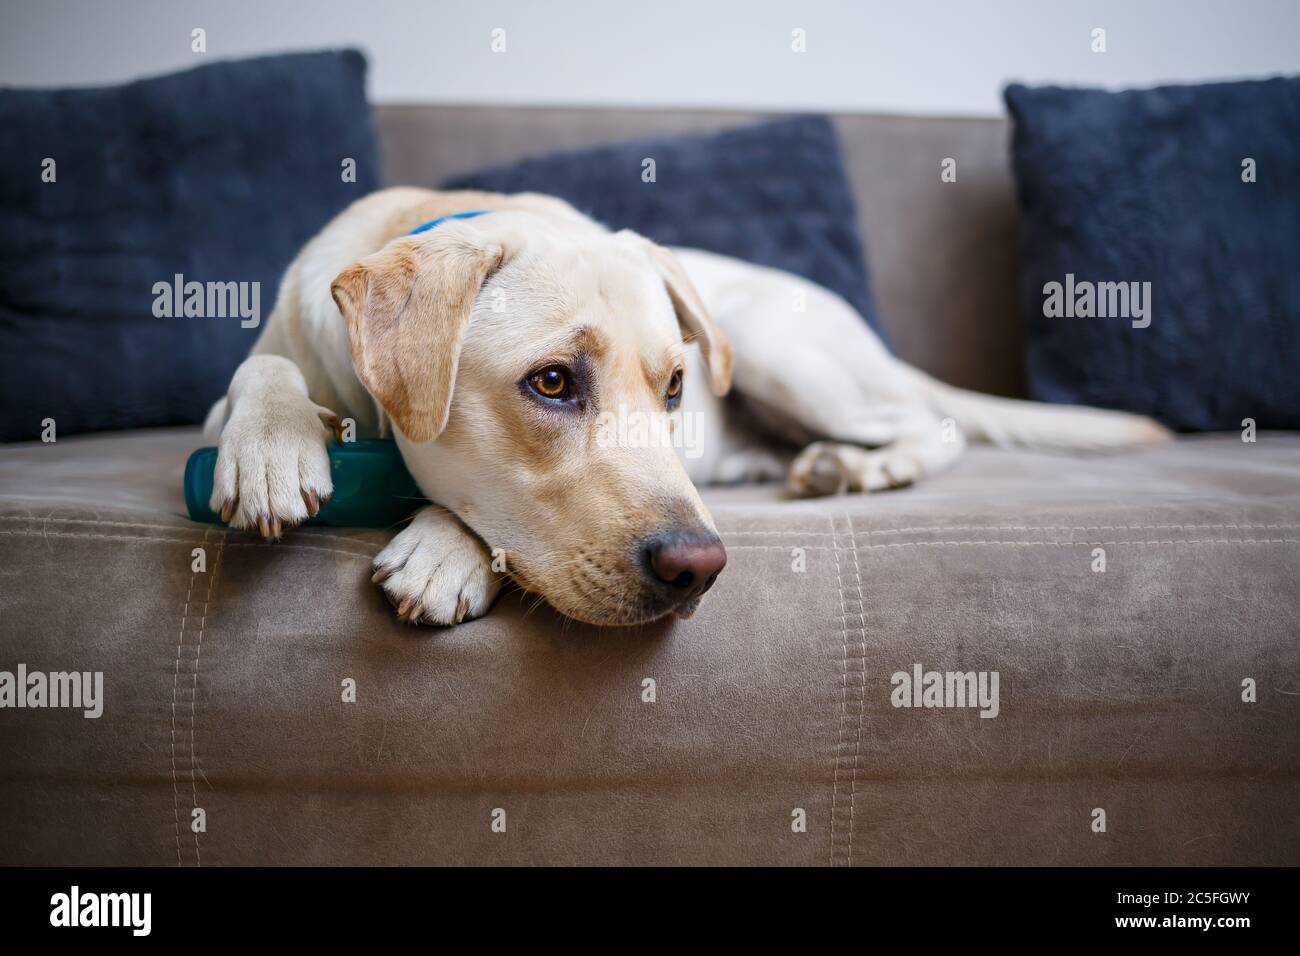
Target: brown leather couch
(770, 732)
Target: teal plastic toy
(372, 488)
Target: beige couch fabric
(1119, 690)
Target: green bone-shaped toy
(372, 488)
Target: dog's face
(507, 350)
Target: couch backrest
(943, 256)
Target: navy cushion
(1147, 186)
(218, 174)
(773, 193)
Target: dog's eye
(675, 386)
(552, 382)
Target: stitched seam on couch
(1020, 544)
(785, 533)
(862, 682)
(155, 527)
(289, 545)
(180, 642)
(838, 744)
(279, 545)
(847, 753)
(208, 599)
(934, 529)
(1101, 527)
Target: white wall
(930, 56)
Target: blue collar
(455, 215)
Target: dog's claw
(271, 527)
(228, 509)
(381, 575)
(462, 608)
(332, 422)
(312, 500)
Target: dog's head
(509, 351)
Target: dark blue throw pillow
(217, 175)
(773, 193)
(1186, 201)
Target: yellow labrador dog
(539, 373)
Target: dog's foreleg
(437, 571)
(273, 469)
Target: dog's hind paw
(436, 571)
(832, 468)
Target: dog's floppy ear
(407, 308)
(693, 316)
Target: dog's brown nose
(688, 562)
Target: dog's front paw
(273, 468)
(436, 571)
